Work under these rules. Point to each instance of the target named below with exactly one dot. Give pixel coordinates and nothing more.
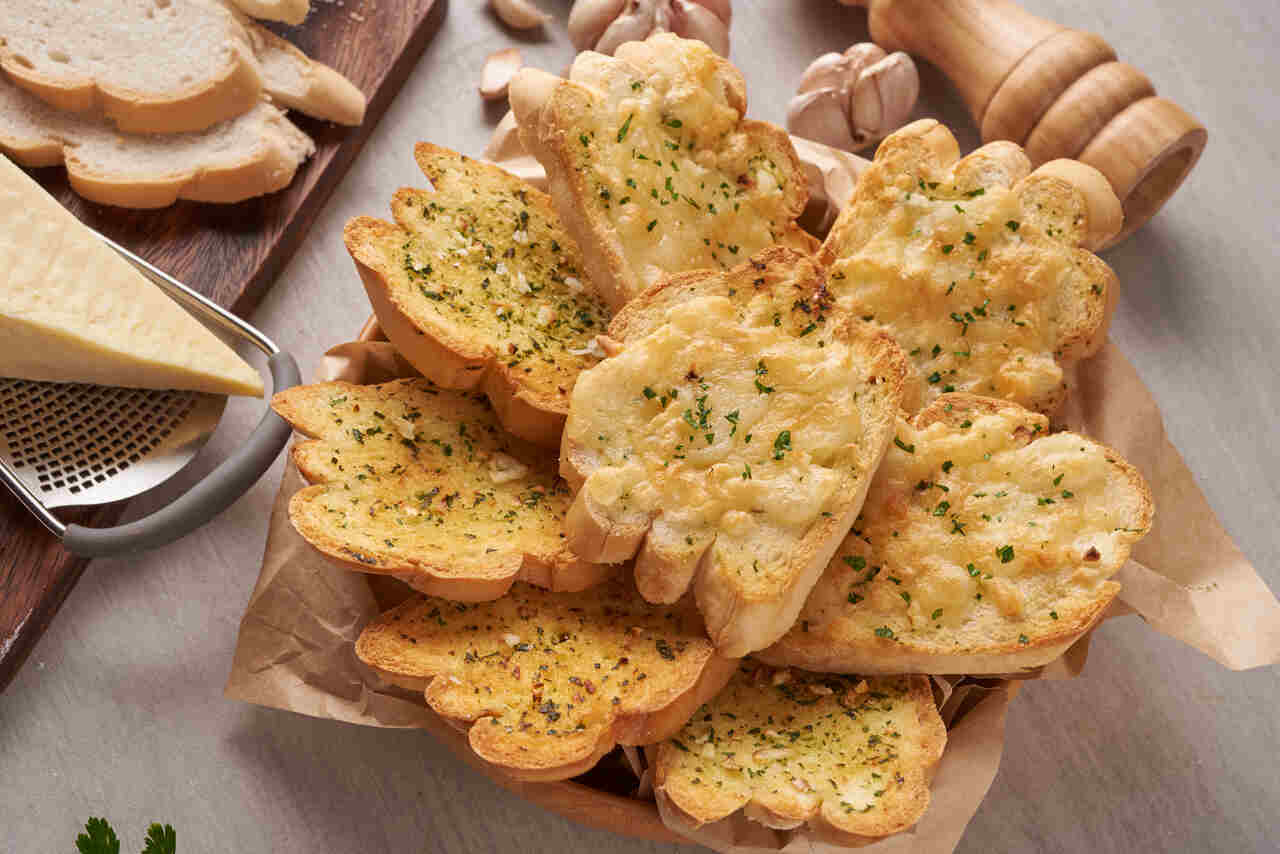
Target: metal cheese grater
(69, 444)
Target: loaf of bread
(729, 442)
(654, 167)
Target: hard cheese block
(72, 310)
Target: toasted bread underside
(251, 155)
(204, 64)
(985, 546)
(849, 757)
(547, 683)
(420, 483)
(478, 286)
(975, 266)
(654, 168)
(729, 444)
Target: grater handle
(207, 498)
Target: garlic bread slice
(985, 545)
(849, 757)
(421, 483)
(729, 442)
(654, 167)
(548, 683)
(976, 267)
(478, 286)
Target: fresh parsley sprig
(100, 838)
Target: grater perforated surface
(89, 444)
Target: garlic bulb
(850, 100)
(602, 25)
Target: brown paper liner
(296, 648)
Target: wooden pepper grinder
(1057, 92)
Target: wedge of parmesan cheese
(72, 310)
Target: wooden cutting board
(230, 253)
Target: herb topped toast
(729, 442)
(478, 286)
(984, 546)
(654, 167)
(849, 757)
(975, 266)
(421, 483)
(548, 683)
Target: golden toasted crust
(730, 441)
(975, 266)
(420, 483)
(653, 167)
(985, 546)
(480, 287)
(548, 683)
(850, 757)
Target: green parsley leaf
(937, 612)
(1005, 553)
(858, 562)
(884, 632)
(626, 127)
(98, 838)
(160, 840)
(781, 444)
(910, 449)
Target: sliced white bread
(253, 154)
(168, 67)
(292, 12)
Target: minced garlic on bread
(984, 546)
(547, 683)
(421, 483)
(729, 443)
(975, 266)
(849, 757)
(654, 168)
(478, 286)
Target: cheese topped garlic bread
(654, 168)
(849, 757)
(976, 267)
(985, 545)
(420, 483)
(729, 442)
(544, 683)
(478, 286)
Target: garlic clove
(520, 14)
(883, 97)
(722, 9)
(829, 71)
(820, 115)
(588, 19)
(497, 72)
(504, 143)
(633, 26)
(863, 55)
(692, 20)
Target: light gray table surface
(119, 711)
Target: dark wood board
(230, 253)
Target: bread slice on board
(291, 12)
(420, 483)
(478, 286)
(72, 310)
(251, 155)
(730, 441)
(985, 546)
(976, 267)
(653, 166)
(851, 758)
(171, 67)
(544, 683)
